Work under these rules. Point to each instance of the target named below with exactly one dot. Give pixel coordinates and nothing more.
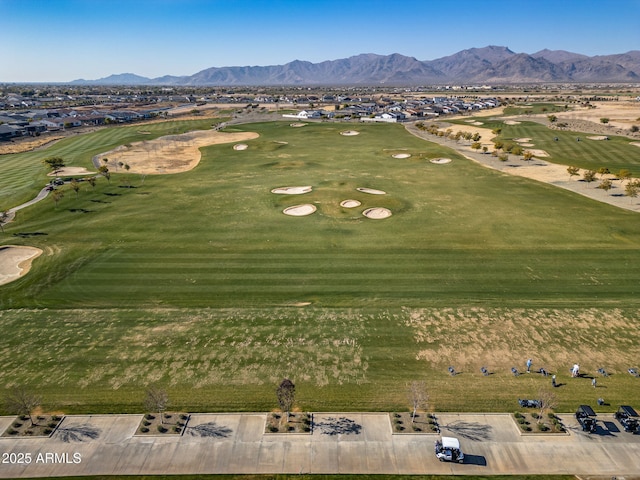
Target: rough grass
(191, 281)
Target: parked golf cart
(448, 450)
(586, 418)
(628, 418)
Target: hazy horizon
(64, 40)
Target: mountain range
(488, 65)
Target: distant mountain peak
(490, 64)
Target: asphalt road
(339, 443)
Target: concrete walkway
(339, 443)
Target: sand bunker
(635, 144)
(401, 155)
(440, 161)
(377, 213)
(350, 133)
(144, 132)
(511, 122)
(70, 171)
(292, 190)
(526, 144)
(524, 139)
(477, 123)
(168, 154)
(240, 146)
(350, 203)
(371, 191)
(598, 137)
(300, 210)
(16, 262)
(297, 125)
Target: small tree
(589, 176)
(4, 216)
(92, 181)
(156, 400)
(22, 402)
(631, 189)
(573, 171)
(623, 174)
(527, 155)
(57, 196)
(604, 120)
(605, 184)
(476, 145)
(634, 128)
(552, 118)
(418, 396)
(104, 171)
(548, 401)
(54, 163)
(75, 186)
(286, 393)
(603, 171)
(476, 137)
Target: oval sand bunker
(16, 261)
(240, 146)
(297, 125)
(440, 161)
(371, 191)
(292, 190)
(350, 133)
(300, 210)
(377, 213)
(401, 155)
(350, 203)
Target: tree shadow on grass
(471, 430)
(338, 426)
(78, 433)
(209, 430)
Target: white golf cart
(448, 450)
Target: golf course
(199, 282)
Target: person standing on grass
(529, 363)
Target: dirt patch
(297, 422)
(404, 422)
(168, 154)
(44, 426)
(300, 210)
(16, 261)
(169, 423)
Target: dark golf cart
(628, 418)
(586, 418)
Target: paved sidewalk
(339, 443)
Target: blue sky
(62, 40)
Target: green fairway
(199, 282)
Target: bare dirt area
(168, 154)
(16, 261)
(26, 145)
(621, 114)
(527, 330)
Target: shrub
(518, 415)
(306, 428)
(11, 431)
(148, 416)
(551, 415)
(56, 418)
(47, 431)
(177, 429)
(162, 428)
(146, 423)
(52, 424)
(416, 428)
(276, 416)
(167, 416)
(184, 417)
(41, 417)
(397, 415)
(17, 424)
(144, 429)
(526, 428)
(28, 432)
(542, 427)
(399, 428)
(535, 415)
(521, 421)
(24, 417)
